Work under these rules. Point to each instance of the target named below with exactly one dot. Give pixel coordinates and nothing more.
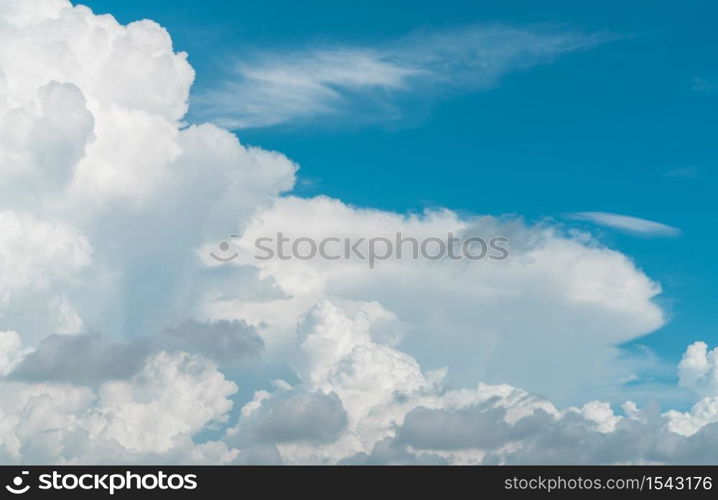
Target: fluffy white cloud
(11, 352)
(114, 65)
(97, 172)
(156, 412)
(41, 261)
(173, 395)
(577, 299)
(94, 156)
(289, 416)
(35, 253)
(698, 369)
(415, 417)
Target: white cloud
(172, 397)
(40, 262)
(272, 88)
(11, 352)
(97, 166)
(414, 417)
(630, 224)
(110, 204)
(578, 299)
(698, 369)
(114, 65)
(702, 413)
(31, 250)
(289, 416)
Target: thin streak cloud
(634, 225)
(272, 88)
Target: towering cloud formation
(110, 205)
(100, 176)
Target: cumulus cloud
(171, 398)
(102, 177)
(174, 394)
(698, 369)
(223, 341)
(273, 88)
(83, 359)
(11, 351)
(106, 197)
(579, 300)
(290, 416)
(42, 261)
(32, 249)
(416, 418)
(91, 359)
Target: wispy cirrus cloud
(634, 225)
(704, 85)
(271, 88)
(683, 172)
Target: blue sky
(627, 126)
